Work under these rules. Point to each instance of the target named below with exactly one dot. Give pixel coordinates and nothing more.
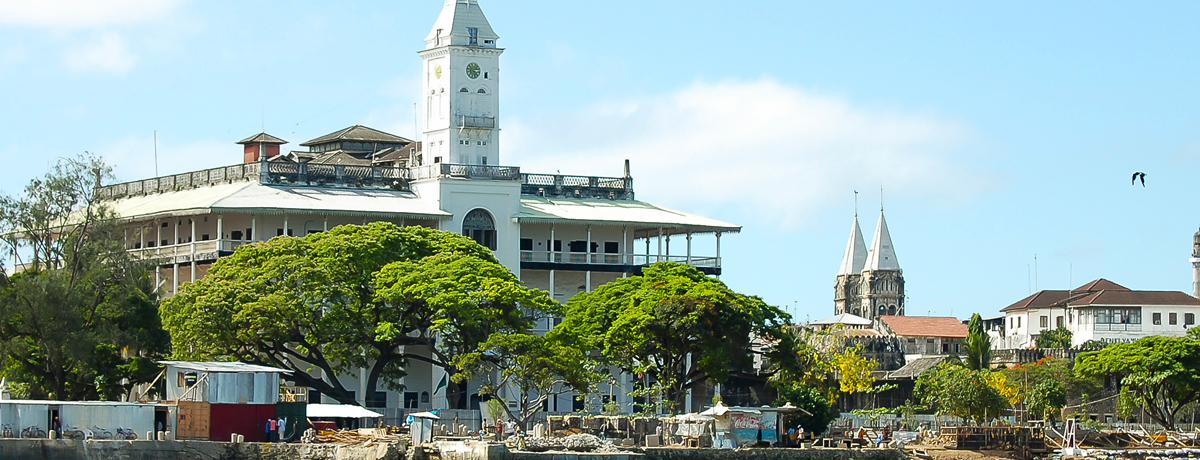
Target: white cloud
(82, 13)
(108, 53)
(132, 158)
(760, 146)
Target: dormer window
(473, 33)
(489, 42)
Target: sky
(999, 133)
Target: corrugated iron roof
(223, 366)
(262, 138)
(616, 212)
(358, 133)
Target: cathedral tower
(846, 291)
(461, 88)
(882, 281)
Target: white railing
(466, 171)
(616, 259)
(186, 250)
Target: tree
(978, 346)
(820, 359)
(536, 367)
(1161, 374)
(1028, 377)
(673, 324)
(346, 299)
(1047, 399)
(961, 392)
(80, 320)
(1054, 338)
(811, 400)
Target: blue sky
(998, 131)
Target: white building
(561, 233)
(1100, 310)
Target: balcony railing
(476, 122)
(1118, 327)
(613, 188)
(616, 259)
(204, 178)
(293, 394)
(466, 171)
(186, 252)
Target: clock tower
(461, 77)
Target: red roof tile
(1101, 285)
(1128, 297)
(926, 326)
(1039, 299)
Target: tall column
(551, 248)
(689, 248)
(660, 242)
(668, 253)
(175, 260)
(325, 225)
(220, 234)
(192, 224)
(718, 252)
(157, 250)
(142, 236)
(625, 251)
(254, 236)
(587, 276)
(285, 224)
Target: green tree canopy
(956, 390)
(1162, 374)
(1054, 338)
(650, 324)
(530, 368)
(1030, 379)
(345, 299)
(80, 321)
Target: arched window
(892, 310)
(481, 91)
(464, 90)
(479, 226)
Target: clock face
(437, 71)
(473, 70)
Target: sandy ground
(940, 453)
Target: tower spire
(882, 255)
(856, 252)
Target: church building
(870, 283)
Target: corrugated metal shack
(35, 418)
(216, 399)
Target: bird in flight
(1139, 176)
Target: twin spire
(881, 256)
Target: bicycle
(33, 432)
(73, 433)
(126, 433)
(101, 433)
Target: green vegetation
(80, 322)
(978, 346)
(962, 392)
(1040, 383)
(673, 324)
(349, 298)
(1054, 338)
(1160, 375)
(536, 367)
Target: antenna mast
(156, 153)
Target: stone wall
(774, 454)
(65, 449)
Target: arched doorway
(479, 226)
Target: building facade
(562, 233)
(1100, 310)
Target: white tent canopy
(340, 411)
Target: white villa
(1100, 310)
(561, 233)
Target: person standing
(270, 429)
(280, 427)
